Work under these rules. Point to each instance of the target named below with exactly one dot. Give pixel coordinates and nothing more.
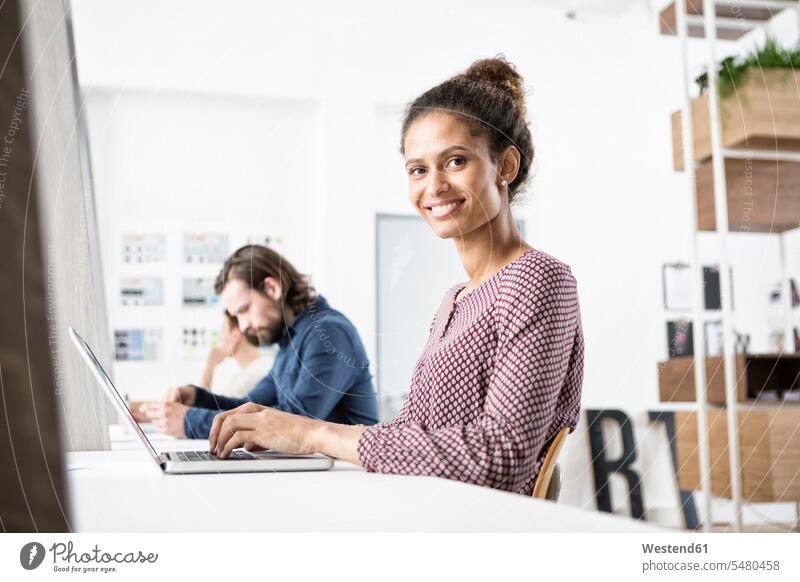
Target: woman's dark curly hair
(489, 96)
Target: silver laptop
(184, 462)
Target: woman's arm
(535, 378)
(256, 427)
(214, 358)
(338, 440)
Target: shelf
(769, 452)
(734, 19)
(763, 196)
(756, 373)
(759, 153)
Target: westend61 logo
(66, 559)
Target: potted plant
(759, 113)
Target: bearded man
(320, 370)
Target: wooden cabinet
(769, 452)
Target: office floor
(758, 528)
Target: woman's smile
(444, 208)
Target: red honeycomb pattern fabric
(501, 373)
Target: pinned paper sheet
(677, 287)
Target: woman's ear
(509, 164)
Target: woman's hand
(183, 394)
(257, 427)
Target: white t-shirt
(230, 379)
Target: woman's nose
(437, 183)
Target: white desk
(123, 490)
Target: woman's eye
(456, 162)
(417, 171)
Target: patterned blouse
(500, 375)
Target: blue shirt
(320, 371)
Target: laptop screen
(102, 377)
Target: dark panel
(32, 480)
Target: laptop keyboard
(205, 456)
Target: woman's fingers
(238, 439)
(230, 426)
(216, 425)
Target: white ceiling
(597, 7)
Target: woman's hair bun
(490, 98)
(500, 74)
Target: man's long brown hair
(253, 263)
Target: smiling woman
(502, 370)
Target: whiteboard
(414, 270)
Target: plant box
(763, 113)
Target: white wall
(329, 80)
(174, 163)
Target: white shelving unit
(711, 22)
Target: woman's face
(452, 181)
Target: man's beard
(267, 335)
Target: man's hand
(183, 394)
(137, 410)
(167, 416)
(257, 427)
